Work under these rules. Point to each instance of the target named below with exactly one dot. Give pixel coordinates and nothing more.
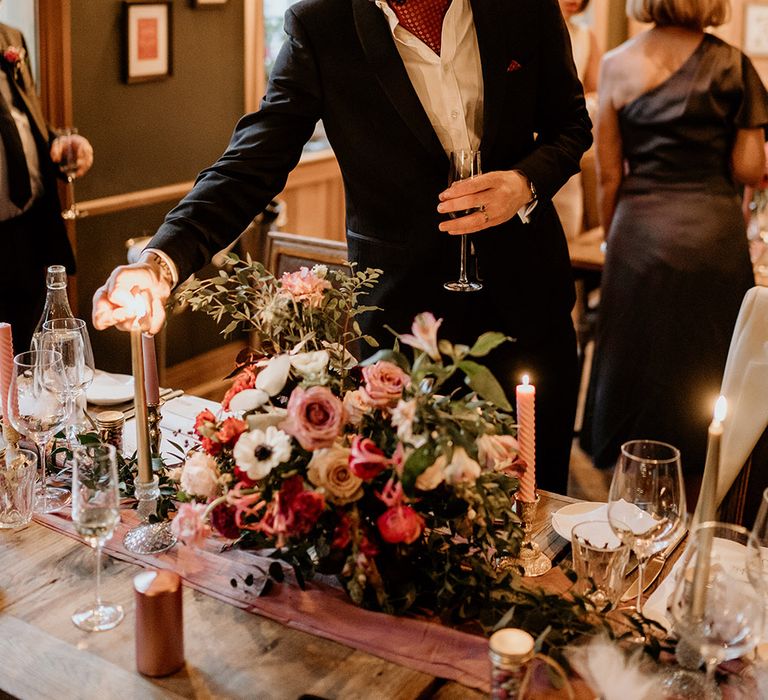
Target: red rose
(342, 535)
(230, 431)
(366, 460)
(205, 424)
(211, 446)
(13, 55)
(314, 417)
(400, 524)
(301, 508)
(223, 521)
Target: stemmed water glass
(68, 166)
(464, 164)
(37, 407)
(758, 556)
(95, 514)
(716, 608)
(646, 501)
(69, 336)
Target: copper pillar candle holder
(159, 623)
(530, 558)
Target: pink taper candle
(150, 369)
(525, 394)
(6, 363)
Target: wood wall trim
(133, 200)
(254, 53)
(55, 30)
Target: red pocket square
(513, 66)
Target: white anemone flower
(258, 452)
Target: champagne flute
(68, 166)
(646, 501)
(69, 336)
(37, 408)
(95, 514)
(716, 608)
(464, 164)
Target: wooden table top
(229, 652)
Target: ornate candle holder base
(530, 559)
(148, 538)
(154, 416)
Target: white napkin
(745, 386)
(564, 522)
(178, 418)
(731, 555)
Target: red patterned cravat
(423, 19)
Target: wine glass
(69, 336)
(68, 166)
(758, 556)
(465, 163)
(37, 407)
(95, 514)
(646, 501)
(716, 608)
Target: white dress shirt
(449, 86)
(8, 210)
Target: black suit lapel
(490, 27)
(379, 47)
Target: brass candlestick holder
(154, 416)
(530, 559)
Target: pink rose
(366, 460)
(189, 525)
(400, 524)
(356, 405)
(14, 55)
(307, 286)
(424, 335)
(384, 383)
(314, 417)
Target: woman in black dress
(680, 126)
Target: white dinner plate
(565, 519)
(108, 389)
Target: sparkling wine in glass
(95, 514)
(646, 501)
(464, 164)
(37, 408)
(68, 166)
(69, 337)
(716, 607)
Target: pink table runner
(321, 609)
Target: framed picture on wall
(146, 40)
(756, 29)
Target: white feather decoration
(610, 673)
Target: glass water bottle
(56, 301)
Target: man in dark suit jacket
(352, 64)
(32, 231)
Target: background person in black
(32, 232)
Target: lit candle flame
(721, 408)
(525, 380)
(137, 307)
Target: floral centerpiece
(396, 475)
(386, 474)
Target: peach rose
(384, 383)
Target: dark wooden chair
(287, 252)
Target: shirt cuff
(167, 262)
(525, 211)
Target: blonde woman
(569, 201)
(680, 126)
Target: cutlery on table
(652, 569)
